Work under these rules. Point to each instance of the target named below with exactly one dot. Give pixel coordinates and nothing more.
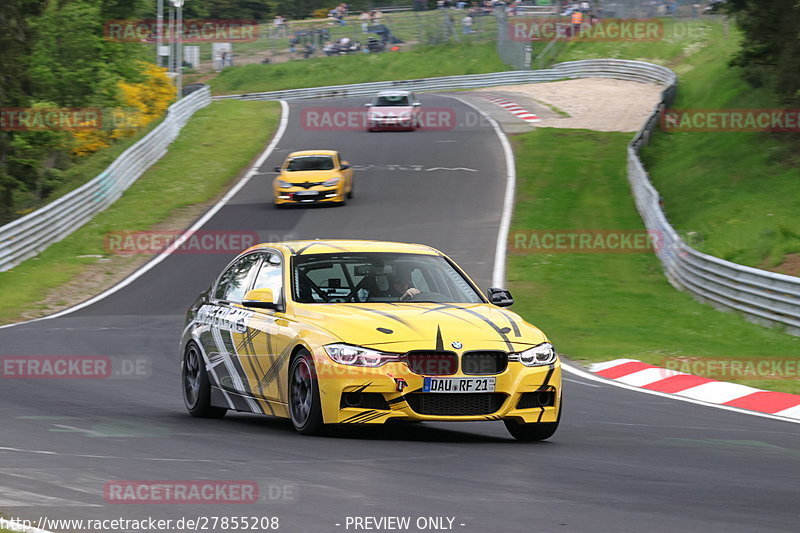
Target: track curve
(622, 461)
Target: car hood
(423, 326)
(306, 176)
(391, 110)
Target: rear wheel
(305, 407)
(196, 386)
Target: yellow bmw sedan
(313, 177)
(363, 332)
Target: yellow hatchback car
(313, 177)
(364, 332)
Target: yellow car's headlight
(331, 182)
(346, 354)
(283, 183)
(539, 355)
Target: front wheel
(304, 403)
(352, 188)
(196, 386)
(534, 431)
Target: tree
(770, 53)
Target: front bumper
(299, 196)
(391, 124)
(339, 385)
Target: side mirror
(367, 105)
(500, 297)
(416, 104)
(345, 165)
(277, 169)
(261, 299)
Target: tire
(534, 431)
(352, 188)
(196, 386)
(305, 408)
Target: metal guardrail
(626, 70)
(764, 297)
(31, 234)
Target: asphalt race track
(621, 461)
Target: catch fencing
(31, 234)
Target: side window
(270, 276)
(236, 280)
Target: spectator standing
(467, 23)
(577, 22)
(365, 19)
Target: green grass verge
(739, 191)
(214, 147)
(601, 306)
(422, 62)
(681, 39)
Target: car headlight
(357, 356)
(331, 182)
(283, 183)
(539, 355)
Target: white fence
(29, 235)
(764, 297)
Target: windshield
(379, 277)
(391, 100)
(311, 162)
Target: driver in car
(400, 285)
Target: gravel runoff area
(592, 103)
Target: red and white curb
(650, 377)
(514, 109)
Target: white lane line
(583, 383)
(177, 244)
(499, 272)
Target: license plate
(458, 385)
(306, 193)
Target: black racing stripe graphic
(396, 400)
(385, 314)
(513, 323)
(494, 326)
(544, 386)
(329, 245)
(274, 371)
(236, 362)
(362, 387)
(442, 310)
(249, 354)
(551, 369)
(373, 417)
(439, 342)
(355, 417)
